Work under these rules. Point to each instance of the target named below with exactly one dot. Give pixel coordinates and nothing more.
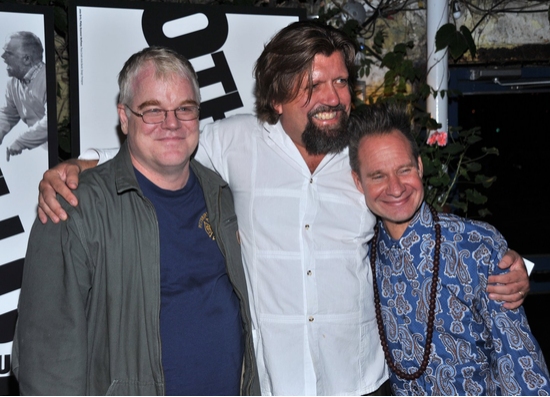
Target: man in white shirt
(25, 92)
(303, 224)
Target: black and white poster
(221, 42)
(28, 147)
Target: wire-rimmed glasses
(157, 115)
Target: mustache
(326, 109)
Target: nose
(331, 95)
(171, 121)
(395, 188)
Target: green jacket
(90, 300)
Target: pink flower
(437, 137)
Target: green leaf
(484, 212)
(473, 139)
(491, 150)
(431, 124)
(464, 173)
(401, 48)
(469, 40)
(458, 46)
(351, 27)
(473, 167)
(448, 36)
(444, 36)
(475, 197)
(379, 38)
(390, 60)
(437, 181)
(460, 205)
(454, 148)
(485, 181)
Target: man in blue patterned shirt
(440, 332)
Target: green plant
(452, 172)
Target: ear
(278, 107)
(357, 181)
(420, 167)
(123, 117)
(27, 60)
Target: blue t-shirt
(200, 322)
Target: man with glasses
(142, 291)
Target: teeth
(325, 116)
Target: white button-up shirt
(304, 249)
(27, 100)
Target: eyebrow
(407, 165)
(154, 102)
(373, 173)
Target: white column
(438, 65)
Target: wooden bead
(431, 306)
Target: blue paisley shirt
(478, 347)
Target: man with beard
(303, 224)
(25, 93)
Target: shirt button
(311, 180)
(307, 227)
(311, 319)
(309, 272)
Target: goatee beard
(318, 140)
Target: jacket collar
(125, 178)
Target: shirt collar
(423, 218)
(31, 74)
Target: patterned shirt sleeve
(516, 362)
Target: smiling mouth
(172, 138)
(325, 115)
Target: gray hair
(30, 45)
(167, 63)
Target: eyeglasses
(157, 116)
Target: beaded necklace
(431, 307)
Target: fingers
(512, 288)
(62, 180)
(43, 217)
(15, 149)
(512, 278)
(510, 258)
(72, 173)
(508, 284)
(510, 301)
(11, 152)
(54, 181)
(48, 206)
